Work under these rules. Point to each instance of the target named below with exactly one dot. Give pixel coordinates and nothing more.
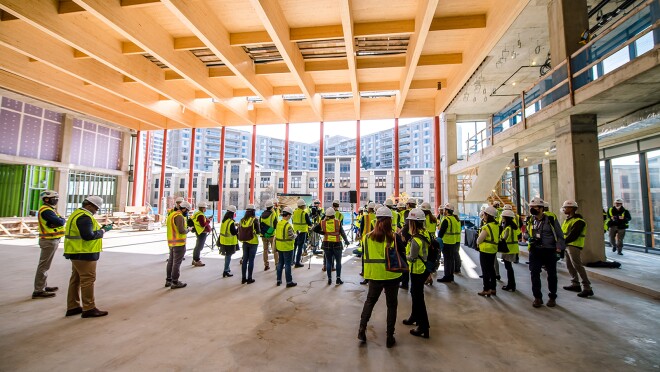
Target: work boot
(74, 311)
(250, 281)
(586, 293)
(198, 263)
(493, 292)
(484, 293)
(364, 282)
(243, 281)
(292, 284)
(227, 274)
(168, 283)
(93, 313)
(42, 294)
(279, 283)
(51, 289)
(329, 281)
(420, 332)
(409, 322)
(266, 268)
(444, 279)
(573, 288)
(178, 284)
(390, 341)
(551, 303)
(339, 281)
(362, 334)
(537, 302)
(509, 288)
(298, 265)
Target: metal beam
(191, 166)
(162, 174)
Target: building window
(233, 183)
(380, 197)
(156, 183)
(313, 183)
(400, 182)
(280, 183)
(329, 182)
(329, 167)
(328, 196)
(344, 182)
(381, 182)
(168, 183)
(195, 181)
(416, 182)
(235, 168)
(364, 197)
(295, 182)
(265, 182)
(182, 183)
(364, 182)
(344, 197)
(344, 167)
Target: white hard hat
(377, 206)
(411, 201)
(178, 200)
(546, 204)
(250, 207)
(330, 211)
(449, 206)
(336, 201)
(508, 207)
(202, 204)
(401, 205)
(185, 205)
(287, 210)
(416, 214)
(231, 208)
(570, 203)
(276, 201)
(426, 206)
(96, 200)
(317, 201)
(371, 205)
(49, 194)
(508, 213)
(389, 203)
(384, 212)
(536, 202)
(269, 203)
(441, 208)
(619, 200)
(300, 203)
(491, 211)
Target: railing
(630, 37)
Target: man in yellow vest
(368, 222)
(176, 241)
(202, 227)
(450, 233)
(575, 229)
(284, 242)
(51, 231)
(83, 245)
(338, 214)
(396, 221)
(268, 221)
(301, 224)
(333, 233)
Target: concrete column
(449, 156)
(61, 181)
(567, 19)
(122, 181)
(578, 176)
(550, 185)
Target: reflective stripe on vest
(282, 240)
(226, 237)
(299, 220)
(568, 226)
(247, 223)
(198, 227)
(73, 242)
(490, 244)
(418, 266)
(46, 232)
(331, 230)
(369, 221)
(453, 232)
(511, 241)
(174, 238)
(374, 260)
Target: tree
(403, 197)
(267, 193)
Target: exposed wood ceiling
(148, 64)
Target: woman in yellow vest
(201, 228)
(450, 234)
(509, 227)
(487, 243)
(228, 241)
(333, 233)
(176, 241)
(284, 242)
(416, 254)
(249, 228)
(375, 246)
(575, 230)
(51, 231)
(301, 224)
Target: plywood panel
(378, 75)
(236, 16)
(331, 77)
(377, 10)
(310, 13)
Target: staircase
(503, 199)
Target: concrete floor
(218, 324)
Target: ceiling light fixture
(525, 159)
(250, 106)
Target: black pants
(418, 313)
(510, 277)
(401, 248)
(539, 257)
(391, 288)
(487, 262)
(449, 251)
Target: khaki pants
(269, 245)
(48, 248)
(616, 238)
(83, 276)
(575, 267)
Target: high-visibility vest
(402, 216)
(249, 223)
(299, 220)
(331, 230)
(198, 227)
(73, 242)
(45, 232)
(418, 266)
(369, 221)
(395, 220)
(174, 238)
(511, 240)
(453, 232)
(226, 237)
(430, 226)
(490, 244)
(568, 225)
(374, 259)
(551, 214)
(339, 216)
(282, 241)
(610, 214)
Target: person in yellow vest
(202, 227)
(301, 224)
(248, 233)
(83, 245)
(575, 230)
(547, 212)
(228, 241)
(508, 228)
(284, 242)
(177, 232)
(276, 209)
(333, 234)
(401, 210)
(51, 231)
(375, 246)
(338, 214)
(487, 243)
(177, 203)
(450, 233)
(396, 219)
(368, 222)
(416, 254)
(316, 215)
(268, 222)
(618, 219)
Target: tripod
(214, 234)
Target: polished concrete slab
(218, 324)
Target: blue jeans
(333, 255)
(286, 258)
(227, 262)
(199, 245)
(299, 246)
(249, 252)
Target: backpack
(246, 233)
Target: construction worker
(338, 214)
(450, 233)
(268, 222)
(83, 245)
(546, 242)
(301, 224)
(575, 230)
(618, 219)
(368, 222)
(51, 231)
(332, 231)
(177, 232)
(439, 217)
(416, 254)
(276, 208)
(228, 241)
(508, 228)
(396, 221)
(547, 212)
(177, 203)
(202, 227)
(431, 220)
(401, 209)
(316, 214)
(248, 233)
(284, 243)
(487, 242)
(519, 225)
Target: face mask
(533, 211)
(54, 201)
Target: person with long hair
(375, 245)
(228, 242)
(249, 223)
(509, 228)
(487, 243)
(416, 254)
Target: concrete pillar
(550, 185)
(567, 19)
(122, 181)
(61, 181)
(578, 175)
(449, 156)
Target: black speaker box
(213, 193)
(353, 196)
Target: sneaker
(298, 265)
(42, 294)
(292, 284)
(94, 313)
(51, 289)
(178, 284)
(573, 288)
(339, 281)
(74, 311)
(168, 283)
(364, 282)
(537, 302)
(551, 303)
(586, 293)
(198, 263)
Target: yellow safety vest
(73, 242)
(430, 226)
(174, 238)
(250, 223)
(490, 244)
(511, 241)
(331, 230)
(199, 228)
(226, 237)
(282, 241)
(374, 259)
(418, 266)
(453, 232)
(299, 220)
(551, 214)
(339, 217)
(45, 232)
(369, 223)
(568, 225)
(395, 220)
(402, 216)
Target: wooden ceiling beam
(69, 6)
(349, 42)
(458, 22)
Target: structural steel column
(254, 154)
(221, 171)
(191, 167)
(145, 180)
(516, 174)
(395, 150)
(358, 164)
(321, 163)
(436, 164)
(135, 166)
(286, 158)
(162, 173)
